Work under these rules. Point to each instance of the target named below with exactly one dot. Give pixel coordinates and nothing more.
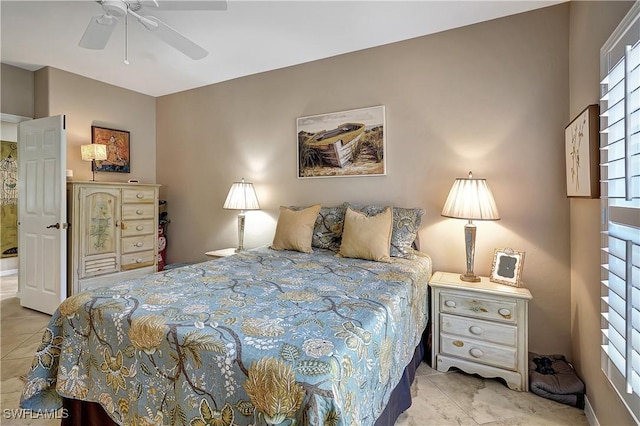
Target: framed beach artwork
(118, 149)
(582, 154)
(342, 144)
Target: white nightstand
(222, 253)
(480, 328)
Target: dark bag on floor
(552, 377)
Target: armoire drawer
(137, 260)
(138, 243)
(132, 228)
(138, 211)
(138, 195)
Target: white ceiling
(248, 38)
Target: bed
(262, 337)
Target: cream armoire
(113, 233)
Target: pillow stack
(359, 231)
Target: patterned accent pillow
(406, 222)
(327, 231)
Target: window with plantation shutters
(620, 193)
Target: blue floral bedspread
(261, 337)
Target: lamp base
(470, 249)
(470, 278)
(240, 232)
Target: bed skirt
(82, 413)
(400, 399)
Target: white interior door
(42, 213)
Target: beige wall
(16, 91)
(491, 98)
(87, 102)
(591, 25)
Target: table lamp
(470, 199)
(241, 196)
(93, 152)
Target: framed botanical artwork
(118, 150)
(582, 151)
(342, 144)
(507, 267)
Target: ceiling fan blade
(173, 37)
(185, 4)
(98, 32)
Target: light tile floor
(20, 334)
(439, 399)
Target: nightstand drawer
(478, 307)
(486, 353)
(485, 331)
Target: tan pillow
(295, 229)
(367, 237)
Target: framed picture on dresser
(507, 267)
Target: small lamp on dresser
(241, 196)
(470, 199)
(92, 152)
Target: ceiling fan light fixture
(115, 7)
(106, 19)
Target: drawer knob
(139, 244)
(474, 329)
(138, 260)
(450, 304)
(139, 228)
(138, 211)
(505, 313)
(476, 353)
(458, 343)
(140, 195)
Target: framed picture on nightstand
(507, 267)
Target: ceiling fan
(101, 26)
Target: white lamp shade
(242, 196)
(94, 151)
(470, 199)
